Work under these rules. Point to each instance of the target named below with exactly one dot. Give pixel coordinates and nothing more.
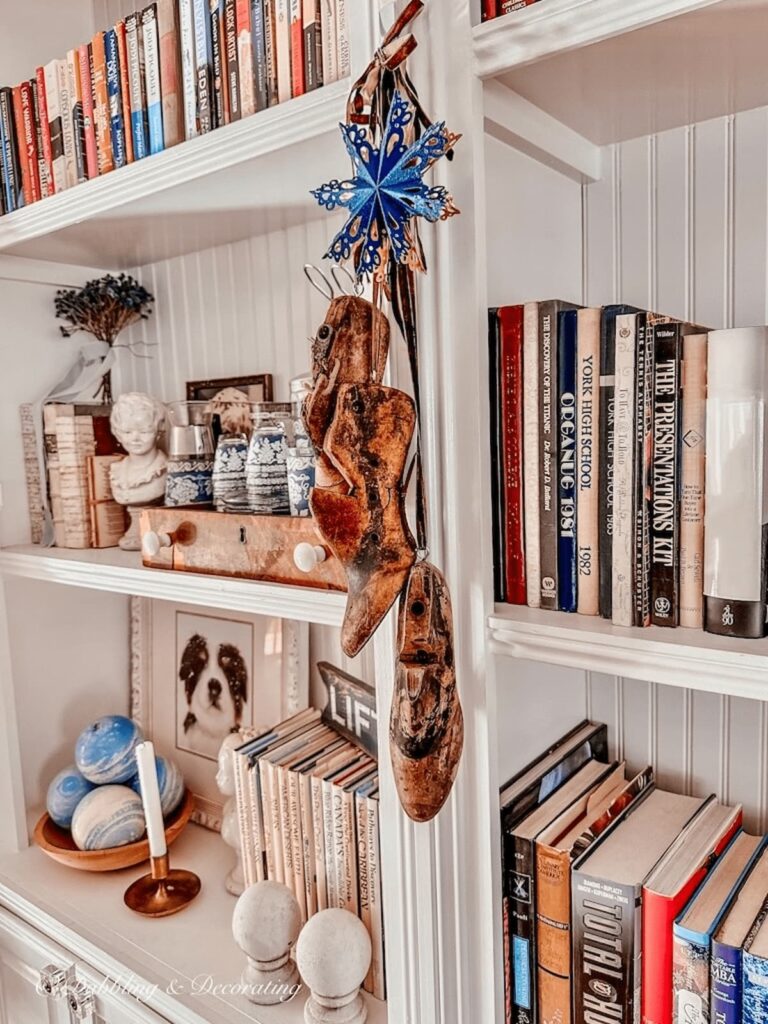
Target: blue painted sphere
(104, 752)
(170, 782)
(65, 792)
(108, 816)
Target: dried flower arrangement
(104, 307)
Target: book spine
(522, 926)
(606, 951)
(276, 820)
(531, 454)
(489, 10)
(14, 194)
(32, 478)
(496, 445)
(363, 893)
(297, 48)
(566, 461)
(245, 58)
(553, 933)
(55, 134)
(188, 68)
(313, 45)
(76, 114)
(259, 44)
(125, 90)
(690, 980)
(266, 817)
(349, 879)
(588, 461)
(548, 461)
(117, 129)
(30, 169)
(665, 507)
(253, 782)
(67, 126)
(606, 450)
(219, 62)
(136, 76)
(89, 128)
(37, 127)
(331, 874)
(101, 105)
(283, 46)
(203, 65)
(17, 128)
(243, 817)
(318, 833)
(270, 46)
(152, 79)
(340, 848)
(511, 368)
(308, 843)
(725, 984)
(170, 72)
(754, 988)
(377, 910)
(622, 598)
(692, 461)
(507, 954)
(643, 441)
(329, 41)
(230, 44)
(297, 846)
(342, 30)
(75, 442)
(47, 183)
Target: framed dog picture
(200, 674)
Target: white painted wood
(57, 28)
(121, 572)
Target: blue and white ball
(170, 782)
(106, 817)
(65, 792)
(105, 751)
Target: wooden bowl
(59, 844)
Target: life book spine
(270, 46)
(101, 104)
(283, 45)
(643, 442)
(125, 90)
(134, 46)
(67, 126)
(170, 72)
(313, 45)
(230, 45)
(203, 65)
(219, 99)
(259, 43)
(30, 172)
(152, 79)
(622, 598)
(566, 461)
(188, 67)
(89, 127)
(692, 462)
(46, 171)
(497, 467)
(297, 48)
(117, 129)
(511, 369)
(735, 514)
(531, 455)
(588, 460)
(665, 541)
(548, 452)
(245, 58)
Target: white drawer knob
(307, 556)
(152, 542)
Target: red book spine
(511, 370)
(45, 128)
(91, 153)
(27, 133)
(659, 914)
(298, 85)
(490, 9)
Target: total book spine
(736, 505)
(566, 461)
(665, 507)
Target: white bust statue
(139, 478)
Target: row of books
(175, 70)
(625, 469)
(495, 8)
(308, 809)
(624, 902)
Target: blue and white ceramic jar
(170, 782)
(190, 455)
(65, 792)
(301, 480)
(108, 816)
(229, 490)
(105, 750)
(266, 473)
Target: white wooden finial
(334, 954)
(265, 925)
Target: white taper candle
(150, 796)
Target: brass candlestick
(163, 891)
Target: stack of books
(308, 809)
(624, 902)
(175, 70)
(627, 452)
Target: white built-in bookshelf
(607, 154)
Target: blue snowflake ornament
(387, 190)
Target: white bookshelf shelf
(86, 910)
(617, 69)
(679, 657)
(257, 174)
(121, 572)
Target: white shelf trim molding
(122, 573)
(677, 657)
(543, 30)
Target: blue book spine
(259, 37)
(755, 988)
(566, 470)
(204, 61)
(10, 180)
(725, 991)
(116, 126)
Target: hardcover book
(245, 58)
(297, 47)
(203, 64)
(26, 137)
(230, 47)
(342, 35)
(107, 518)
(531, 453)
(42, 166)
(511, 382)
(9, 154)
(588, 461)
(89, 124)
(497, 467)
(188, 67)
(567, 573)
(329, 41)
(692, 461)
(67, 124)
(46, 174)
(313, 44)
(270, 45)
(755, 976)
(170, 72)
(153, 86)
(134, 45)
(76, 114)
(623, 553)
(117, 129)
(125, 90)
(643, 441)
(219, 93)
(283, 49)
(100, 105)
(259, 41)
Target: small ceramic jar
(266, 472)
(301, 479)
(229, 490)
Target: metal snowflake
(387, 190)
